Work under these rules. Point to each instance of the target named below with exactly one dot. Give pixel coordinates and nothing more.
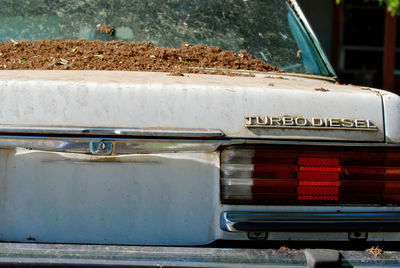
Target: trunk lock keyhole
(101, 147)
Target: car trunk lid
(195, 105)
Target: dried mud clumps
(118, 55)
(105, 29)
(376, 251)
(321, 89)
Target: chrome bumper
(310, 221)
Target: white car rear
(145, 158)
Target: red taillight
(318, 178)
(310, 175)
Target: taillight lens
(310, 175)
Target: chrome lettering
(313, 123)
(288, 121)
(261, 121)
(361, 123)
(334, 122)
(275, 121)
(371, 125)
(249, 120)
(347, 122)
(300, 121)
(317, 122)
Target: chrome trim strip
(293, 221)
(106, 131)
(125, 145)
(319, 143)
(112, 146)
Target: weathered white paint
(155, 199)
(152, 199)
(156, 100)
(391, 103)
(164, 199)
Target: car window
(267, 29)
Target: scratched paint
(155, 100)
(153, 199)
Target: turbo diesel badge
(317, 123)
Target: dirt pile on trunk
(118, 55)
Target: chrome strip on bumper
(310, 221)
(106, 131)
(127, 145)
(108, 146)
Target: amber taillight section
(301, 175)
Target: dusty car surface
(119, 157)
